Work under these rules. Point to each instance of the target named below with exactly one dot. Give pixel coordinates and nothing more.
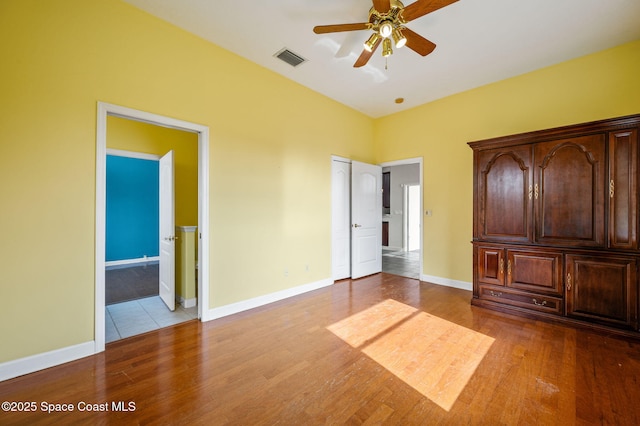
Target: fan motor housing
(393, 15)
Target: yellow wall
(598, 86)
(136, 136)
(269, 159)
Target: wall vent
(289, 57)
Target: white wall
(400, 175)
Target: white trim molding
(187, 303)
(464, 285)
(132, 154)
(132, 262)
(256, 302)
(30, 364)
(186, 228)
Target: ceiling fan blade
(422, 7)
(382, 6)
(417, 43)
(322, 29)
(365, 55)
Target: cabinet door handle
(530, 191)
(509, 267)
(536, 191)
(501, 266)
(568, 281)
(611, 188)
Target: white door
(341, 219)
(366, 219)
(167, 279)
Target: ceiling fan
(387, 19)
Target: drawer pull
(535, 302)
(611, 188)
(495, 293)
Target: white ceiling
(478, 42)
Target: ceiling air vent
(289, 57)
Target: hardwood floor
(379, 350)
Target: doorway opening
(137, 295)
(200, 239)
(402, 254)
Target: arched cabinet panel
(503, 190)
(569, 191)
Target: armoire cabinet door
(602, 288)
(490, 265)
(537, 271)
(504, 211)
(569, 191)
(623, 160)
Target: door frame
(103, 111)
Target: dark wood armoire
(555, 224)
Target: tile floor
(127, 319)
(403, 263)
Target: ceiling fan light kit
(385, 29)
(386, 48)
(387, 19)
(398, 38)
(372, 42)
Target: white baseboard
(30, 364)
(256, 302)
(132, 262)
(187, 303)
(447, 282)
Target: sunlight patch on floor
(434, 356)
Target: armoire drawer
(548, 304)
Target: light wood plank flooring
(378, 350)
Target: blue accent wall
(132, 208)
